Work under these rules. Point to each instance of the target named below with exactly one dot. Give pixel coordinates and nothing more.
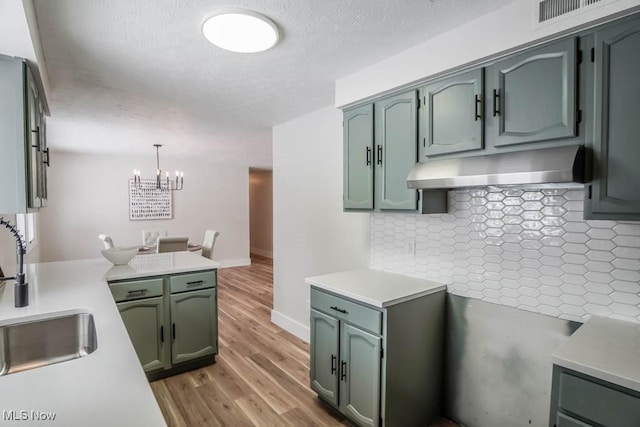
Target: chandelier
(161, 184)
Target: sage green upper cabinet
(144, 320)
(395, 151)
(22, 184)
(324, 356)
(532, 96)
(358, 158)
(360, 375)
(615, 193)
(451, 115)
(194, 325)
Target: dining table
(147, 250)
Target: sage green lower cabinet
(324, 359)
(614, 193)
(360, 375)
(172, 320)
(378, 366)
(194, 327)
(144, 320)
(578, 400)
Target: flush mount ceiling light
(240, 30)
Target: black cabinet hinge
(579, 57)
(579, 116)
(593, 54)
(590, 192)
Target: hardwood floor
(261, 374)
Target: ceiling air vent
(547, 11)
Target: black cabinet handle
(162, 333)
(338, 309)
(368, 156)
(197, 282)
(46, 162)
(343, 370)
(333, 364)
(379, 154)
(173, 330)
(137, 292)
(496, 100)
(478, 108)
(37, 132)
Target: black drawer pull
(47, 162)
(343, 370)
(173, 330)
(478, 108)
(368, 156)
(379, 154)
(137, 292)
(333, 364)
(194, 283)
(333, 307)
(162, 333)
(496, 101)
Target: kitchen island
(107, 387)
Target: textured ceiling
(126, 74)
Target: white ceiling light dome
(240, 30)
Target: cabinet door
(533, 95)
(324, 356)
(563, 420)
(44, 160)
(615, 193)
(451, 116)
(194, 325)
(395, 154)
(144, 320)
(34, 156)
(358, 158)
(360, 375)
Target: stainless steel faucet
(21, 288)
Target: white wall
(311, 233)
(261, 212)
(88, 195)
(504, 29)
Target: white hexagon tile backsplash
(525, 248)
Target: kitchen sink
(31, 343)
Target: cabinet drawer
(136, 289)
(190, 282)
(563, 420)
(359, 315)
(597, 402)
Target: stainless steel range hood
(550, 165)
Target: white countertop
(375, 287)
(604, 348)
(107, 387)
(158, 264)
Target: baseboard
(239, 262)
(266, 254)
(290, 325)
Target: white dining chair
(172, 244)
(106, 241)
(150, 237)
(208, 243)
